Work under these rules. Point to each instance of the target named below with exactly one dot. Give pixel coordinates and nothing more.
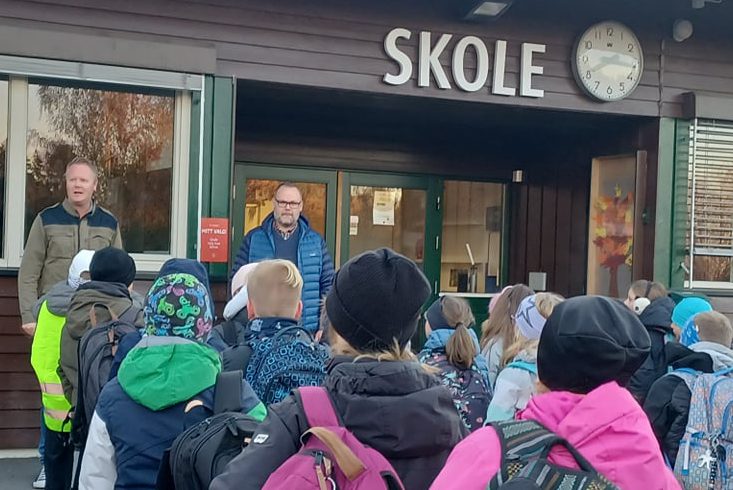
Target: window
(710, 204)
(135, 124)
(130, 137)
(472, 219)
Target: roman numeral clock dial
(608, 61)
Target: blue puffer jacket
(314, 262)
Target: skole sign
(428, 63)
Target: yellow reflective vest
(45, 355)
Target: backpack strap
(318, 407)
(93, 313)
(523, 441)
(228, 392)
(524, 365)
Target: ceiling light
(489, 9)
(682, 30)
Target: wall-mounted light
(518, 176)
(488, 9)
(698, 4)
(681, 30)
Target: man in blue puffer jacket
(285, 234)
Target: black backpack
(95, 356)
(525, 446)
(236, 356)
(201, 452)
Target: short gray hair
(83, 161)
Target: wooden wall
(338, 44)
(20, 399)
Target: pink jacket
(607, 426)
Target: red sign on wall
(214, 240)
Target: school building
(570, 145)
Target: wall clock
(608, 61)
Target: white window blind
(710, 203)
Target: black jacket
(668, 402)
(657, 318)
(394, 407)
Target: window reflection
(128, 135)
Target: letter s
(390, 47)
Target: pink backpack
(331, 456)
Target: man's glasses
(287, 204)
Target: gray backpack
(96, 353)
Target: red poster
(214, 240)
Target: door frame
(247, 170)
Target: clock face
(608, 61)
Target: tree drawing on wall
(614, 228)
(126, 134)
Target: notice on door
(214, 240)
(383, 211)
(353, 225)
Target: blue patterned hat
(178, 305)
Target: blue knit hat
(687, 308)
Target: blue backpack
(282, 362)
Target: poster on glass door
(383, 209)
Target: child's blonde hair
(545, 303)
(274, 288)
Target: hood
(678, 356)
(268, 222)
(57, 299)
(237, 304)
(389, 404)
(163, 371)
(439, 338)
(114, 295)
(186, 266)
(658, 314)
(722, 356)
(138, 300)
(607, 426)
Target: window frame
(18, 74)
(691, 250)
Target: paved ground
(18, 473)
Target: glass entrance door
(384, 211)
(255, 186)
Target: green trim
(193, 177)
(222, 152)
(679, 204)
(244, 171)
(664, 207)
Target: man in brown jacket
(59, 232)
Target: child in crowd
(668, 402)
(108, 293)
(231, 332)
(683, 314)
(651, 302)
(517, 381)
(498, 331)
(589, 348)
(50, 313)
(381, 393)
(452, 348)
(166, 375)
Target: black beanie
(112, 265)
(376, 298)
(589, 341)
